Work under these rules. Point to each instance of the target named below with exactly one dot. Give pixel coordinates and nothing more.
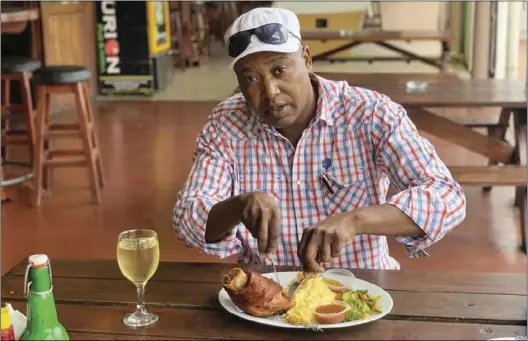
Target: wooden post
(481, 40)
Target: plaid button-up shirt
(357, 144)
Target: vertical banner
(123, 60)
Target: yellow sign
(158, 19)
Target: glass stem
(140, 306)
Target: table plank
(18, 14)
(200, 324)
(363, 78)
(101, 336)
(455, 281)
(15, 19)
(489, 175)
(448, 92)
(474, 308)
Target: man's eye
(280, 69)
(251, 79)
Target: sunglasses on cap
(273, 33)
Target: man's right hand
(261, 216)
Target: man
(296, 168)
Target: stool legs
(6, 103)
(29, 117)
(39, 157)
(47, 158)
(94, 136)
(3, 194)
(25, 110)
(91, 151)
(6, 93)
(5, 99)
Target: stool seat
(61, 74)
(19, 64)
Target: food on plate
(333, 284)
(331, 313)
(255, 294)
(316, 299)
(316, 295)
(311, 293)
(362, 305)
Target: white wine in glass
(138, 258)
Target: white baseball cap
(266, 15)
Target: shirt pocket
(343, 193)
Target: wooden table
(380, 38)
(15, 20)
(442, 91)
(92, 298)
(451, 92)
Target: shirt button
(298, 182)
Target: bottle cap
(6, 319)
(37, 261)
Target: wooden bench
(507, 175)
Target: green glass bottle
(42, 320)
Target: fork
(275, 270)
(270, 258)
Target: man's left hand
(324, 241)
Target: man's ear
(307, 56)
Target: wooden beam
(489, 175)
(443, 128)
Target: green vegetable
(362, 305)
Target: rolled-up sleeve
(209, 181)
(428, 193)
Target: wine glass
(138, 259)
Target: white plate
(285, 278)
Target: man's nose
(271, 90)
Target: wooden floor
(147, 149)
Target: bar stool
(18, 69)
(60, 79)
